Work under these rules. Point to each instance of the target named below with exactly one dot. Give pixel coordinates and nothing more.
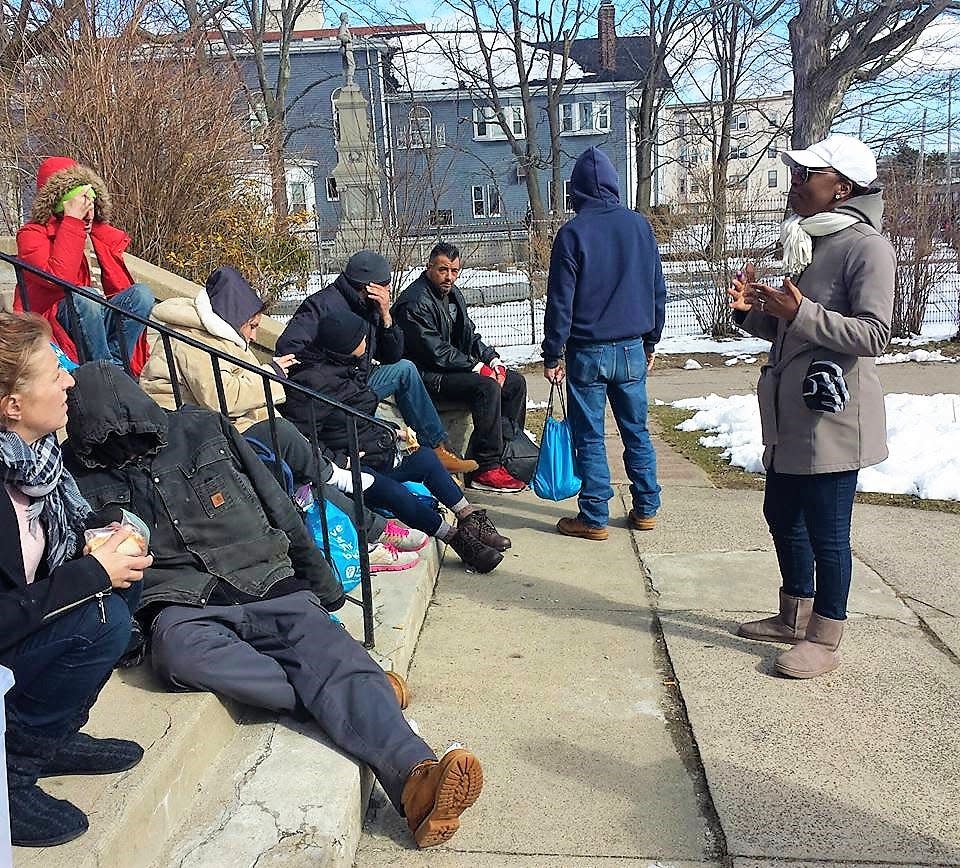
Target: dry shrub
(160, 124)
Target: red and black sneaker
(497, 479)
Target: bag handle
(555, 388)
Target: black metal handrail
(168, 334)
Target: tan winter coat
(844, 318)
(242, 389)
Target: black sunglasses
(801, 174)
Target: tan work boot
(438, 792)
(452, 462)
(788, 626)
(817, 654)
(399, 685)
(642, 522)
(576, 527)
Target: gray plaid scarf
(38, 472)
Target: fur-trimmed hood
(64, 180)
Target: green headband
(70, 194)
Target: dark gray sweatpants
(271, 654)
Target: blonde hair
(21, 335)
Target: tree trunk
(278, 172)
(644, 131)
(817, 89)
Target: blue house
(445, 157)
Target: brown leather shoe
(452, 462)
(399, 685)
(576, 527)
(438, 792)
(788, 626)
(642, 522)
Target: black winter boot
(475, 554)
(82, 754)
(36, 818)
(486, 531)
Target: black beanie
(341, 332)
(365, 267)
(231, 297)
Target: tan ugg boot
(817, 654)
(438, 792)
(788, 626)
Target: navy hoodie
(606, 282)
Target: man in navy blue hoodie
(605, 307)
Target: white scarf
(797, 234)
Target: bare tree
(839, 44)
(668, 27)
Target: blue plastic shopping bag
(343, 553)
(556, 475)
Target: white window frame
(567, 202)
(489, 200)
(298, 207)
(330, 188)
(773, 175)
(694, 185)
(772, 151)
(492, 131)
(682, 185)
(738, 182)
(739, 152)
(578, 120)
(440, 135)
(419, 127)
(740, 121)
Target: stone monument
(357, 173)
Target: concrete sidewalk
(621, 721)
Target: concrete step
(206, 759)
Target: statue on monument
(346, 51)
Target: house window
(738, 122)
(738, 152)
(694, 185)
(585, 118)
(682, 186)
(419, 127)
(486, 200)
(775, 119)
(297, 196)
(738, 182)
(440, 135)
(682, 126)
(441, 217)
(567, 198)
(772, 178)
(333, 194)
(486, 126)
(772, 151)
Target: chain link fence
(505, 285)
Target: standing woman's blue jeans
(809, 519)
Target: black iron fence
(167, 336)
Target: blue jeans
(594, 373)
(809, 520)
(402, 379)
(61, 667)
(421, 466)
(102, 330)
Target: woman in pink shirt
(62, 628)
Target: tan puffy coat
(844, 318)
(243, 390)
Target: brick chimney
(607, 36)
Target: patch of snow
(692, 365)
(684, 345)
(536, 405)
(913, 356)
(731, 362)
(913, 423)
(521, 354)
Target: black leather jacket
(433, 340)
(215, 512)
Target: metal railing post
(366, 585)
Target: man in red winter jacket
(69, 235)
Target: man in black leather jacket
(238, 597)
(456, 365)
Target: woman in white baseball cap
(821, 402)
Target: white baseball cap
(847, 154)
